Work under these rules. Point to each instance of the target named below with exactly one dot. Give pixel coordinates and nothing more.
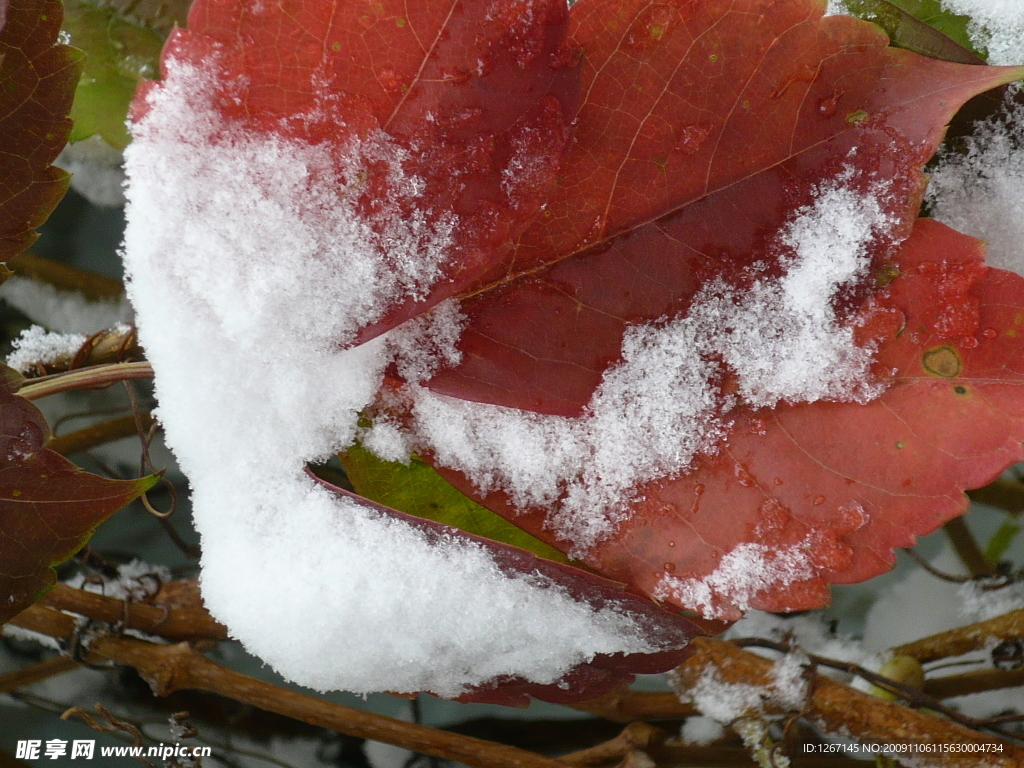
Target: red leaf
(602, 674)
(479, 94)
(802, 496)
(39, 79)
(48, 506)
(704, 127)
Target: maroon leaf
(605, 672)
(37, 86)
(479, 94)
(806, 495)
(704, 128)
(48, 506)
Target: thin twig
(1007, 495)
(171, 623)
(93, 286)
(626, 706)
(957, 642)
(973, 682)
(84, 378)
(97, 434)
(170, 668)
(967, 548)
(838, 708)
(36, 672)
(950, 577)
(907, 693)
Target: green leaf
(119, 52)
(949, 24)
(920, 26)
(418, 490)
(1001, 540)
(37, 86)
(48, 506)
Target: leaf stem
(84, 378)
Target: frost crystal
(743, 573)
(980, 192)
(36, 345)
(996, 26)
(249, 267)
(660, 406)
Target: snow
(746, 571)
(812, 633)
(723, 701)
(63, 311)
(978, 601)
(980, 192)
(96, 172)
(136, 580)
(660, 406)
(37, 345)
(700, 731)
(249, 268)
(997, 26)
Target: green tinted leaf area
(118, 53)
(37, 86)
(418, 490)
(48, 506)
(921, 26)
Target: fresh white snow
(997, 26)
(63, 311)
(249, 268)
(37, 345)
(981, 192)
(660, 406)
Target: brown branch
(84, 378)
(961, 640)
(973, 682)
(642, 736)
(92, 285)
(97, 434)
(1007, 495)
(170, 668)
(36, 672)
(838, 708)
(967, 548)
(168, 621)
(627, 706)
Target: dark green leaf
(920, 26)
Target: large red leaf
(704, 127)
(37, 85)
(805, 495)
(48, 506)
(478, 94)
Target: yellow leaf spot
(856, 118)
(941, 361)
(15, 494)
